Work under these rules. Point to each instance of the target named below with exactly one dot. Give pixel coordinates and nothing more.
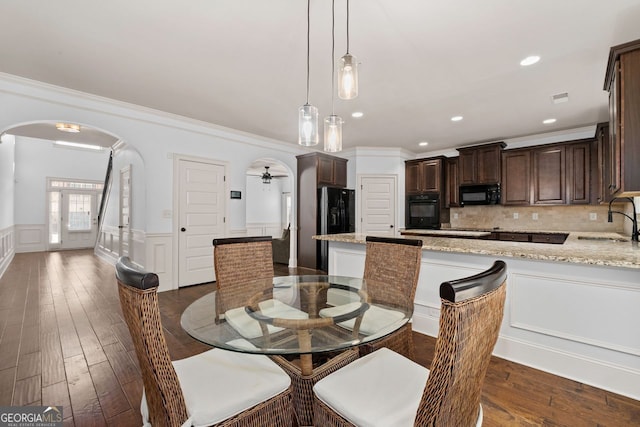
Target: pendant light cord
(308, 37)
(347, 27)
(333, 48)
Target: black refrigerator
(336, 214)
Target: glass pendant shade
(333, 134)
(348, 77)
(308, 125)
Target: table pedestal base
(303, 383)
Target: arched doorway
(59, 189)
(270, 205)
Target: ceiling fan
(266, 176)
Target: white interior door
(201, 219)
(79, 223)
(378, 205)
(124, 225)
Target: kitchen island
(572, 309)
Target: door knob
(183, 229)
(391, 226)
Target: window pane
(54, 217)
(79, 212)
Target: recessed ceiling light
(79, 145)
(549, 121)
(456, 118)
(357, 114)
(529, 60)
(423, 143)
(68, 127)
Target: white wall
(157, 137)
(7, 186)
(37, 159)
(383, 161)
(7, 192)
(154, 134)
(264, 200)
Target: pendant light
(333, 123)
(348, 71)
(308, 114)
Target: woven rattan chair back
(243, 267)
(391, 269)
(139, 301)
(470, 318)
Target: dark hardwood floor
(63, 342)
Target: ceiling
(241, 63)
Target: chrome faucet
(634, 220)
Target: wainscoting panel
(31, 238)
(159, 259)
(7, 248)
(588, 301)
(273, 229)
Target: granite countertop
(594, 248)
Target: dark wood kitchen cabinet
(480, 164)
(622, 81)
(424, 175)
(548, 165)
(452, 195)
(516, 177)
(314, 170)
(332, 171)
(578, 173)
(602, 189)
(552, 174)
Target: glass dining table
(296, 315)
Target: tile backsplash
(540, 218)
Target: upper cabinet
(622, 81)
(452, 195)
(516, 173)
(578, 175)
(480, 164)
(323, 170)
(548, 175)
(552, 174)
(602, 190)
(424, 175)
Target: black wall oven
(423, 211)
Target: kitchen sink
(603, 239)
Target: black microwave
(485, 194)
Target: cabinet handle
(183, 229)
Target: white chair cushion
(374, 320)
(382, 388)
(249, 327)
(219, 384)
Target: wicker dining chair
(217, 387)
(244, 267)
(384, 388)
(391, 271)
